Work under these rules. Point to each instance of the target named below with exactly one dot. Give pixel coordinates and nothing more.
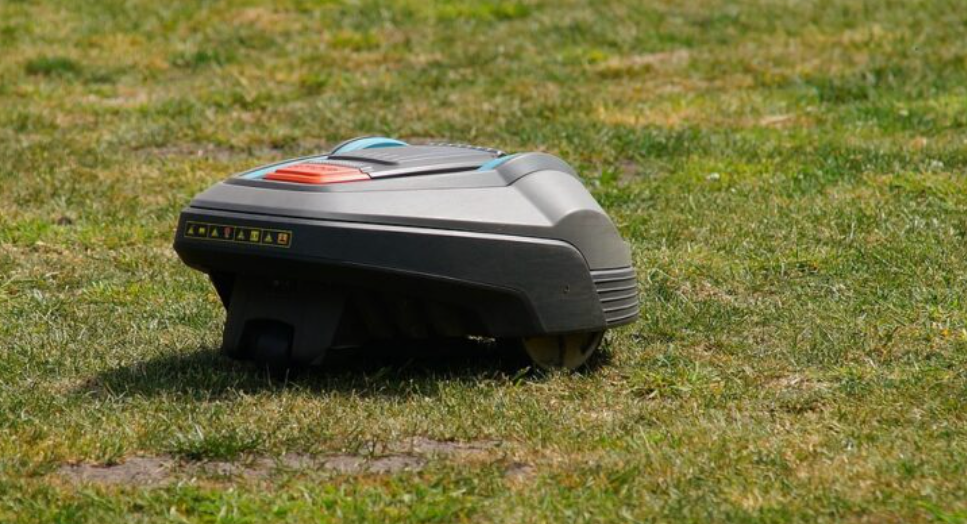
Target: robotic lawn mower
(382, 240)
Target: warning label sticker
(238, 234)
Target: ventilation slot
(618, 293)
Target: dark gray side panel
(549, 276)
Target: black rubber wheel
(568, 352)
(271, 347)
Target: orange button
(317, 174)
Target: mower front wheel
(271, 347)
(568, 352)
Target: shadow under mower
(382, 240)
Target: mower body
(379, 239)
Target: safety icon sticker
(238, 234)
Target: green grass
(791, 176)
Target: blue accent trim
(369, 143)
(493, 164)
(260, 172)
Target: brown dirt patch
(379, 465)
(426, 446)
(143, 471)
(262, 467)
(408, 455)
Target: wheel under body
(270, 346)
(567, 352)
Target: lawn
(790, 175)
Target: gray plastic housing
(442, 240)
